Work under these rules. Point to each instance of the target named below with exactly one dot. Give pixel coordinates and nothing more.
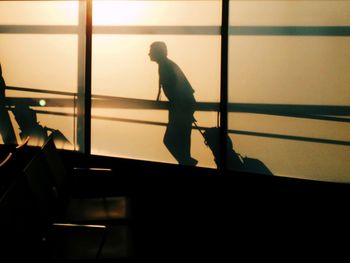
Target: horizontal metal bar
(291, 137)
(183, 30)
(325, 112)
(39, 29)
(41, 91)
(290, 30)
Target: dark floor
(205, 214)
(198, 213)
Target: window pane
(162, 13)
(288, 93)
(290, 13)
(42, 68)
(40, 61)
(39, 12)
(122, 69)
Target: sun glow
(117, 13)
(39, 12)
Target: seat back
(40, 185)
(12, 165)
(23, 144)
(5, 173)
(55, 164)
(23, 153)
(20, 230)
(5, 160)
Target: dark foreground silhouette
(179, 92)
(6, 130)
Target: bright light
(117, 13)
(78, 225)
(42, 102)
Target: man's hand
(158, 95)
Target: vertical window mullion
(224, 85)
(88, 50)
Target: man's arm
(159, 91)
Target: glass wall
(127, 120)
(42, 60)
(289, 77)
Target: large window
(86, 68)
(40, 55)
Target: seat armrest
(92, 181)
(91, 171)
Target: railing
(315, 112)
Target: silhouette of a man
(179, 93)
(6, 130)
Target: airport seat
(111, 209)
(65, 239)
(13, 163)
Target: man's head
(158, 51)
